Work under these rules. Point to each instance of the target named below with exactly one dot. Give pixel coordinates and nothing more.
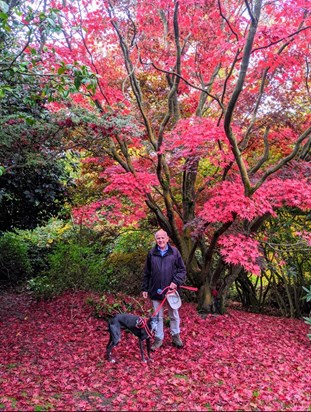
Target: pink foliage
(238, 249)
(227, 199)
(195, 137)
(87, 214)
(290, 192)
(306, 236)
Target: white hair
(160, 231)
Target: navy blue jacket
(160, 271)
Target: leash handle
(161, 291)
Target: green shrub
(15, 265)
(110, 305)
(41, 287)
(125, 263)
(82, 259)
(124, 271)
(76, 267)
(307, 297)
(41, 242)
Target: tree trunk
(247, 290)
(205, 301)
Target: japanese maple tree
(201, 116)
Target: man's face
(161, 239)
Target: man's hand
(173, 285)
(145, 295)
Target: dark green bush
(110, 305)
(124, 271)
(41, 287)
(307, 298)
(15, 265)
(78, 267)
(94, 261)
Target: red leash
(159, 307)
(160, 292)
(189, 288)
(142, 323)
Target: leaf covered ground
(52, 358)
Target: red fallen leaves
(52, 357)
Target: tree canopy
(197, 112)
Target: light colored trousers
(174, 319)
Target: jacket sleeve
(180, 274)
(147, 274)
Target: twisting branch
(92, 60)
(281, 39)
(246, 138)
(172, 102)
(265, 155)
(131, 74)
(253, 18)
(226, 82)
(306, 150)
(18, 54)
(186, 81)
(285, 160)
(235, 95)
(227, 21)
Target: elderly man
(164, 268)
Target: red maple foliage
(202, 107)
(52, 358)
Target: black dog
(142, 328)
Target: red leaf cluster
(52, 357)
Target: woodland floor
(52, 358)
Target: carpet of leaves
(52, 358)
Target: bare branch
(265, 155)
(186, 81)
(245, 140)
(280, 40)
(92, 60)
(284, 161)
(250, 12)
(227, 21)
(235, 96)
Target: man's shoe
(156, 344)
(177, 341)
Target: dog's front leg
(148, 345)
(142, 350)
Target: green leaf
(77, 82)
(4, 6)
(3, 17)
(30, 121)
(61, 70)
(50, 21)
